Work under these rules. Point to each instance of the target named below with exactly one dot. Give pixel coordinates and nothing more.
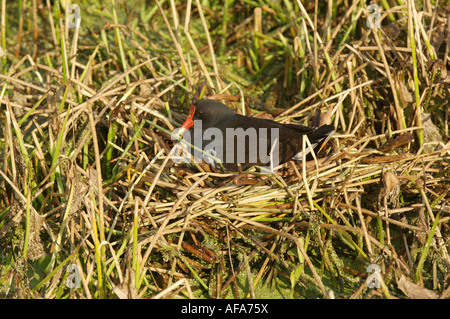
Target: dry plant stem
(442, 244)
(282, 234)
(210, 46)
(10, 145)
(83, 279)
(412, 35)
(386, 219)
(175, 285)
(166, 220)
(381, 246)
(100, 95)
(50, 20)
(364, 228)
(399, 110)
(249, 277)
(98, 173)
(35, 28)
(74, 51)
(86, 136)
(338, 95)
(21, 82)
(193, 46)
(19, 37)
(315, 36)
(340, 24)
(352, 95)
(177, 44)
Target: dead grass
(89, 111)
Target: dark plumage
(248, 140)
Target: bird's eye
(200, 113)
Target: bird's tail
(317, 138)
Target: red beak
(188, 123)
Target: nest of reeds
(90, 111)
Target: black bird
(244, 141)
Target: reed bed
(92, 204)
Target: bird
(236, 142)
